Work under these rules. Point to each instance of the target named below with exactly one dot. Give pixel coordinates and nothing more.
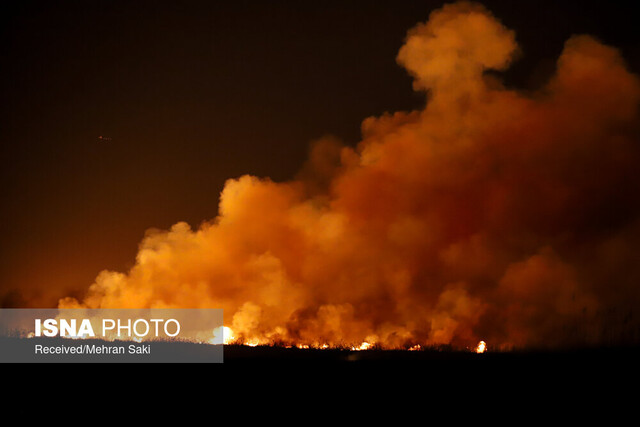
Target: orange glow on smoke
(489, 213)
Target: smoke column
(490, 214)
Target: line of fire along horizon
(139, 328)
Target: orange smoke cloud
(490, 214)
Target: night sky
(192, 93)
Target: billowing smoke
(490, 214)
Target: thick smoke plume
(490, 214)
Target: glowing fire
(222, 335)
(364, 346)
(482, 347)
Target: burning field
(491, 219)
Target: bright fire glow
(364, 346)
(482, 347)
(223, 335)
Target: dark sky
(192, 93)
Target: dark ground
(259, 383)
(238, 354)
